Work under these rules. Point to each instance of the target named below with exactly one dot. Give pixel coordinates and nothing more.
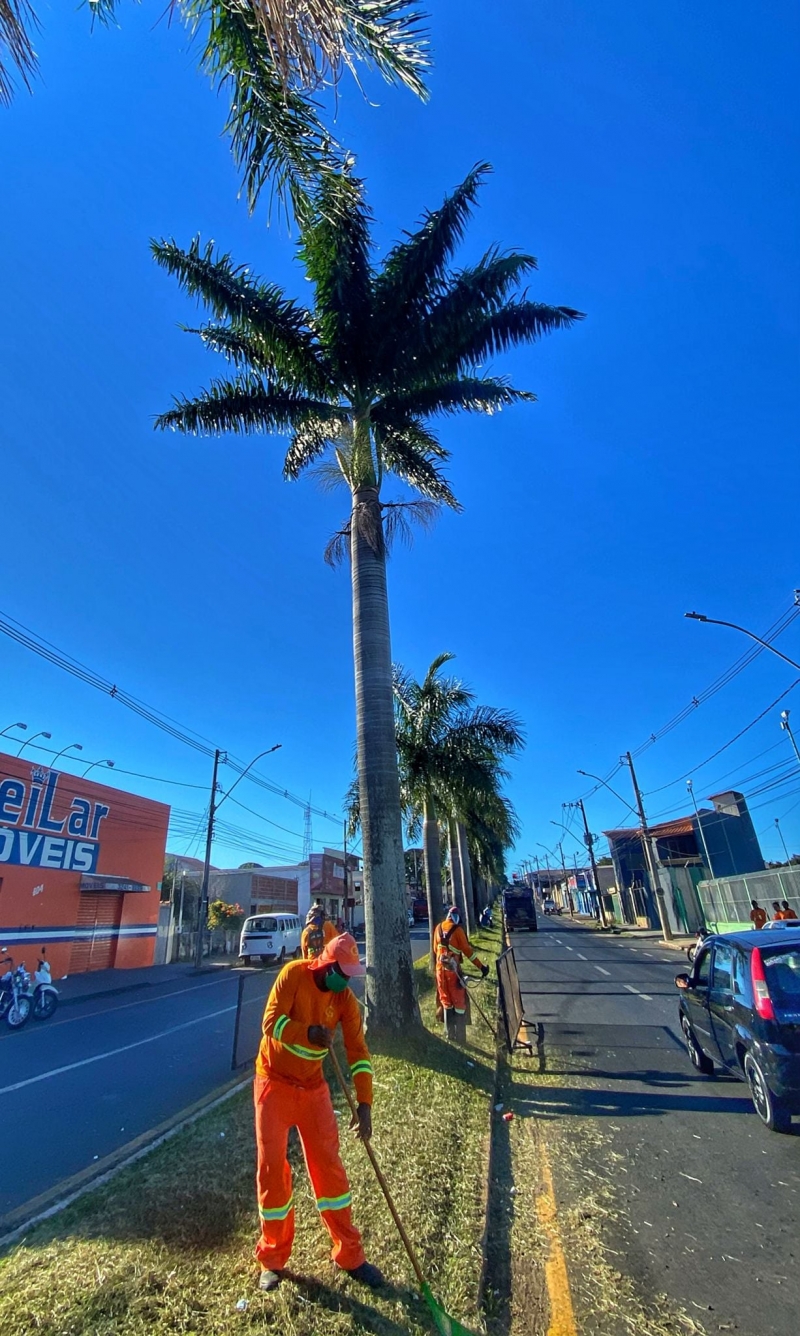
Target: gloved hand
(319, 1036)
(485, 971)
(361, 1124)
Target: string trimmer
(447, 1325)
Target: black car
(740, 1010)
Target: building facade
(80, 870)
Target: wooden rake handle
(345, 1089)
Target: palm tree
(449, 753)
(356, 380)
(270, 56)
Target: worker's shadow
(368, 1318)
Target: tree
(449, 754)
(270, 57)
(356, 380)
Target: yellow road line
(562, 1314)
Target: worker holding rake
(309, 999)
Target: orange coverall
(290, 1091)
(758, 918)
(328, 931)
(450, 945)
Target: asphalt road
(104, 1071)
(710, 1196)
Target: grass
(167, 1245)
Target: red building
(80, 870)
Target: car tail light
(763, 1001)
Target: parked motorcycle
(45, 993)
(15, 996)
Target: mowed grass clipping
(167, 1245)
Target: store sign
(30, 834)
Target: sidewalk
(677, 943)
(107, 983)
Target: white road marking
(143, 1002)
(558, 939)
(580, 957)
(631, 989)
(112, 1052)
(602, 971)
(648, 953)
(570, 948)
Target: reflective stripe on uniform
(279, 1026)
(276, 1212)
(335, 1203)
(310, 1054)
(361, 1066)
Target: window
(264, 925)
(741, 987)
(702, 969)
(782, 969)
(722, 977)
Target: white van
(272, 937)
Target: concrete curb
(18, 1222)
(138, 985)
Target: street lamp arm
(587, 775)
(240, 777)
(715, 621)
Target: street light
(31, 739)
(690, 787)
(10, 726)
(588, 775)
(787, 728)
(783, 842)
(73, 746)
(714, 621)
(110, 764)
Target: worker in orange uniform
(788, 912)
(758, 916)
(450, 945)
(308, 1000)
(317, 933)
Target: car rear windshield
(782, 968)
(261, 925)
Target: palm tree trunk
(433, 868)
(470, 897)
(390, 991)
(456, 872)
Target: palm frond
(415, 266)
(418, 468)
(335, 248)
(515, 323)
(337, 548)
(17, 23)
(243, 406)
(400, 518)
(312, 437)
(390, 36)
(258, 309)
(467, 393)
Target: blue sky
(646, 153)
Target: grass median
(167, 1245)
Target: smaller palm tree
(449, 753)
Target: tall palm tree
(449, 752)
(356, 379)
(270, 56)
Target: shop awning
(94, 883)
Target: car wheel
(282, 957)
(696, 1054)
(265, 960)
(245, 961)
(771, 1110)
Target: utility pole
(567, 891)
(589, 839)
(787, 728)
(690, 787)
(203, 907)
(649, 859)
(783, 842)
(346, 914)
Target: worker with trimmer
(450, 945)
(309, 999)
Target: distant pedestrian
(758, 916)
(777, 912)
(788, 912)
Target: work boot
(269, 1280)
(367, 1274)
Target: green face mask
(335, 982)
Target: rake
(445, 1324)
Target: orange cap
(341, 951)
